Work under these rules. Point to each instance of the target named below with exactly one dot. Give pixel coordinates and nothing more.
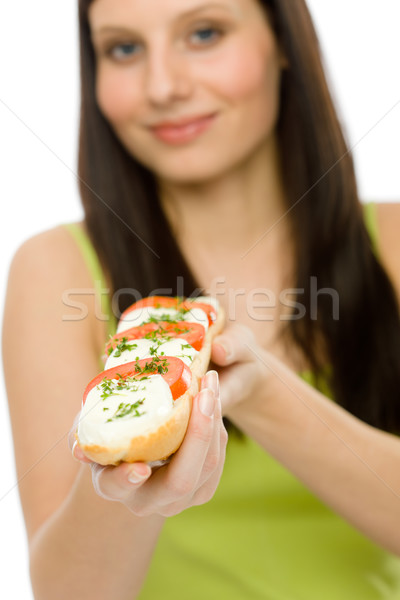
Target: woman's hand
(190, 478)
(244, 370)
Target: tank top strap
(371, 223)
(95, 269)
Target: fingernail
(136, 476)
(207, 403)
(212, 381)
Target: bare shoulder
(388, 219)
(388, 222)
(49, 269)
(49, 279)
(47, 249)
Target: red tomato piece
(193, 333)
(207, 308)
(172, 302)
(156, 302)
(172, 369)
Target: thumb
(116, 482)
(233, 345)
(222, 353)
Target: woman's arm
(86, 541)
(352, 467)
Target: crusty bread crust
(166, 438)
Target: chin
(188, 168)
(188, 174)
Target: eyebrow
(203, 7)
(181, 16)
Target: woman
(211, 157)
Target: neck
(232, 210)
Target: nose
(167, 76)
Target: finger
(118, 482)
(234, 344)
(207, 491)
(239, 382)
(212, 459)
(211, 380)
(78, 454)
(187, 464)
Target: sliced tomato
(176, 302)
(207, 308)
(156, 302)
(172, 369)
(193, 333)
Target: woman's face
(190, 87)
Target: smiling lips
(183, 131)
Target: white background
(38, 124)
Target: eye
(206, 35)
(122, 51)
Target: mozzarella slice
(139, 408)
(180, 348)
(136, 349)
(144, 348)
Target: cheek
(251, 81)
(116, 96)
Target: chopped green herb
(153, 350)
(157, 364)
(123, 346)
(113, 387)
(178, 315)
(182, 329)
(127, 410)
(185, 356)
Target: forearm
(92, 548)
(353, 468)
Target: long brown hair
(137, 248)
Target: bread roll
(138, 408)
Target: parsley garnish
(114, 387)
(175, 318)
(182, 329)
(127, 410)
(160, 365)
(123, 346)
(120, 347)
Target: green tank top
(265, 536)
